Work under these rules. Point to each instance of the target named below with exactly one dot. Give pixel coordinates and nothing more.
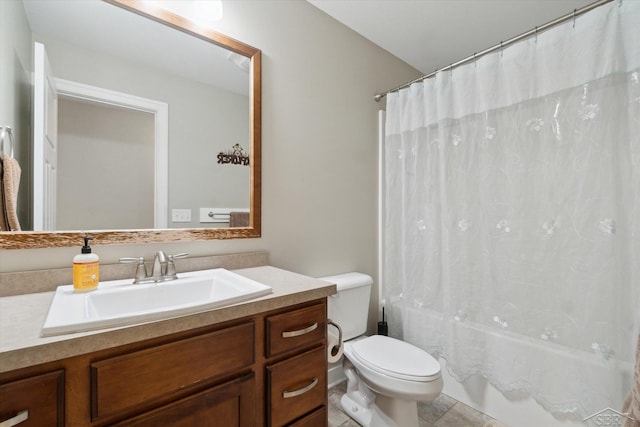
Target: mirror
(179, 145)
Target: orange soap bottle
(86, 269)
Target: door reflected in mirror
(138, 113)
(105, 154)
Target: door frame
(160, 111)
(45, 141)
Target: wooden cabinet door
(228, 405)
(38, 400)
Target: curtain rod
(534, 32)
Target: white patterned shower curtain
(512, 213)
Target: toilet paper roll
(334, 348)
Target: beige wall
(319, 145)
(15, 94)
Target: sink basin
(119, 303)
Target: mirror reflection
(129, 122)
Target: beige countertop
(22, 317)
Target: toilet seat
(396, 359)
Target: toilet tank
(349, 307)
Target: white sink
(119, 302)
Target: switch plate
(180, 215)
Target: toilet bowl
(386, 376)
(393, 367)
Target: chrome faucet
(159, 265)
(163, 270)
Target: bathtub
(523, 411)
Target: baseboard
(336, 376)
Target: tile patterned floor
(442, 412)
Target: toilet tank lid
(349, 280)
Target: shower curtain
(512, 214)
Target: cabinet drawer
(42, 397)
(229, 404)
(318, 418)
(124, 381)
(295, 329)
(296, 386)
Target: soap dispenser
(86, 268)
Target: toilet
(386, 377)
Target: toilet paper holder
(332, 323)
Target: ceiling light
(202, 11)
(208, 10)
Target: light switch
(181, 215)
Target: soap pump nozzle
(86, 249)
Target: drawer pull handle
(288, 394)
(291, 334)
(22, 416)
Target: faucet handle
(171, 266)
(131, 260)
(141, 269)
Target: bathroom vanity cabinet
(267, 369)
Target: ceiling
(432, 34)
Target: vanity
(257, 363)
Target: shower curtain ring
(535, 40)
(574, 18)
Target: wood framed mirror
(251, 57)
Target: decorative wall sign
(235, 156)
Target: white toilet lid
(396, 358)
